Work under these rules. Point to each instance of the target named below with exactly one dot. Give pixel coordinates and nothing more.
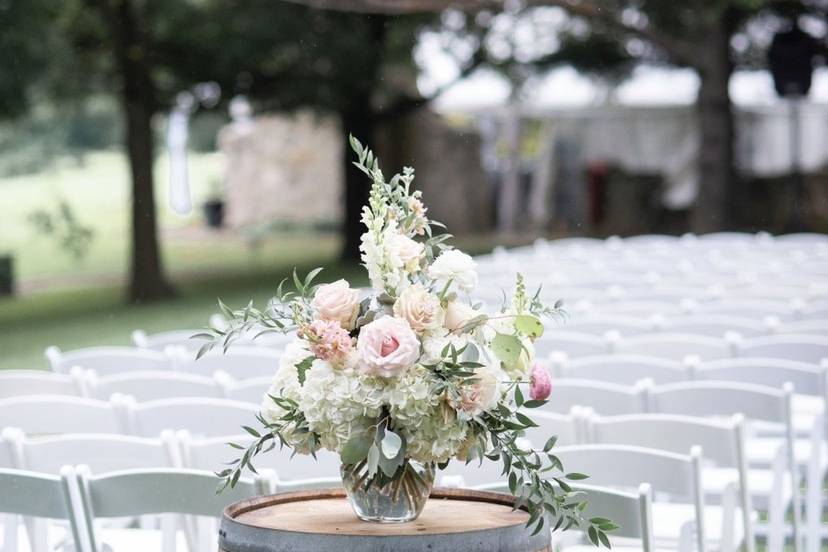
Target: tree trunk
(147, 282)
(359, 118)
(716, 158)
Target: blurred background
(158, 154)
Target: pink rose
(540, 383)
(337, 302)
(387, 347)
(421, 309)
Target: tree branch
(681, 51)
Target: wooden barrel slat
(456, 520)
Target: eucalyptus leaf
(507, 348)
(391, 444)
(356, 449)
(373, 460)
(529, 325)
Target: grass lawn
(77, 304)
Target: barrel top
(328, 512)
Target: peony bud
(540, 383)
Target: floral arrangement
(411, 372)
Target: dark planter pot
(214, 213)
(6, 275)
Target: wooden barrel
(456, 520)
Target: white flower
(409, 251)
(387, 347)
(337, 405)
(381, 257)
(458, 313)
(434, 344)
(286, 384)
(421, 309)
(455, 266)
(337, 302)
(482, 395)
(436, 437)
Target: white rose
(409, 251)
(458, 313)
(484, 394)
(456, 266)
(387, 347)
(421, 309)
(337, 302)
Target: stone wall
(283, 168)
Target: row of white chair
(140, 384)
(678, 346)
(239, 362)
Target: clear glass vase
(384, 499)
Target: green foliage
(73, 237)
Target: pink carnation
(540, 383)
(328, 340)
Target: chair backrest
(147, 386)
(721, 441)
(632, 512)
(816, 326)
(250, 390)
(50, 414)
(749, 308)
(213, 453)
(102, 452)
(716, 325)
(573, 344)
(626, 466)
(807, 378)
(200, 416)
(565, 427)
(598, 324)
(624, 369)
(676, 346)
(605, 398)
(240, 362)
(107, 360)
(154, 491)
(801, 347)
(16, 383)
(40, 495)
(160, 341)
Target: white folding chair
(50, 414)
(633, 513)
(573, 344)
(680, 523)
(676, 346)
(757, 403)
(200, 416)
(801, 347)
(107, 360)
(146, 386)
(622, 369)
(239, 362)
(103, 452)
(154, 491)
(16, 383)
(39, 495)
(161, 340)
(723, 443)
(605, 398)
(750, 308)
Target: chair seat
(808, 405)
(670, 518)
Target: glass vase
(383, 499)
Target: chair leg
(11, 526)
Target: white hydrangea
(286, 380)
(436, 437)
(337, 404)
(434, 344)
(410, 398)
